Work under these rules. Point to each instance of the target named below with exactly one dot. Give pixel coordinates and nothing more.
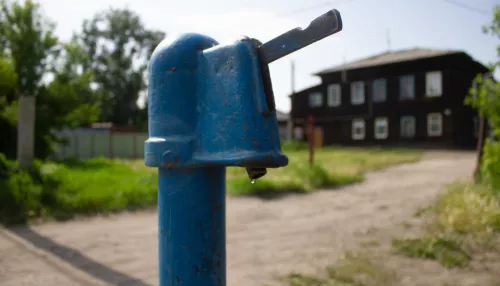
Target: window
(379, 90)
(334, 95)
(434, 124)
(407, 87)
(357, 93)
(298, 133)
(315, 99)
(407, 127)
(381, 128)
(433, 84)
(358, 129)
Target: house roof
(390, 57)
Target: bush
(490, 165)
(62, 189)
(22, 192)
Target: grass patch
(334, 166)
(448, 252)
(352, 270)
(465, 219)
(62, 189)
(469, 209)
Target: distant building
(404, 97)
(282, 122)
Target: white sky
(412, 23)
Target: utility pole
(388, 39)
(26, 131)
(289, 125)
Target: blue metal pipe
(191, 226)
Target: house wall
(458, 129)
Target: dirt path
(266, 238)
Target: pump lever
(293, 40)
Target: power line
(470, 8)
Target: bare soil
(266, 239)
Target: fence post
(211, 106)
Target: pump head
(212, 104)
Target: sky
(369, 27)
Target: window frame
(319, 95)
(429, 80)
(384, 120)
(402, 80)
(330, 95)
(401, 126)
(358, 121)
(430, 132)
(376, 82)
(354, 98)
(297, 130)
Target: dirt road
(266, 238)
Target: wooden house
(403, 97)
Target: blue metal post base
(191, 226)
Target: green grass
(468, 209)
(353, 269)
(62, 189)
(447, 251)
(333, 166)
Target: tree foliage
(30, 54)
(28, 37)
(485, 97)
(118, 47)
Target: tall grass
(465, 218)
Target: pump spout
(256, 173)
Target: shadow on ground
(76, 258)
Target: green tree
(27, 37)
(485, 97)
(118, 47)
(8, 110)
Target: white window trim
(402, 135)
(319, 95)
(354, 98)
(401, 88)
(430, 132)
(374, 90)
(385, 122)
(429, 79)
(298, 133)
(336, 100)
(355, 124)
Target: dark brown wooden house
(403, 97)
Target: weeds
(447, 251)
(353, 269)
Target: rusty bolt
(169, 159)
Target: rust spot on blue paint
(197, 270)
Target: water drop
(253, 181)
